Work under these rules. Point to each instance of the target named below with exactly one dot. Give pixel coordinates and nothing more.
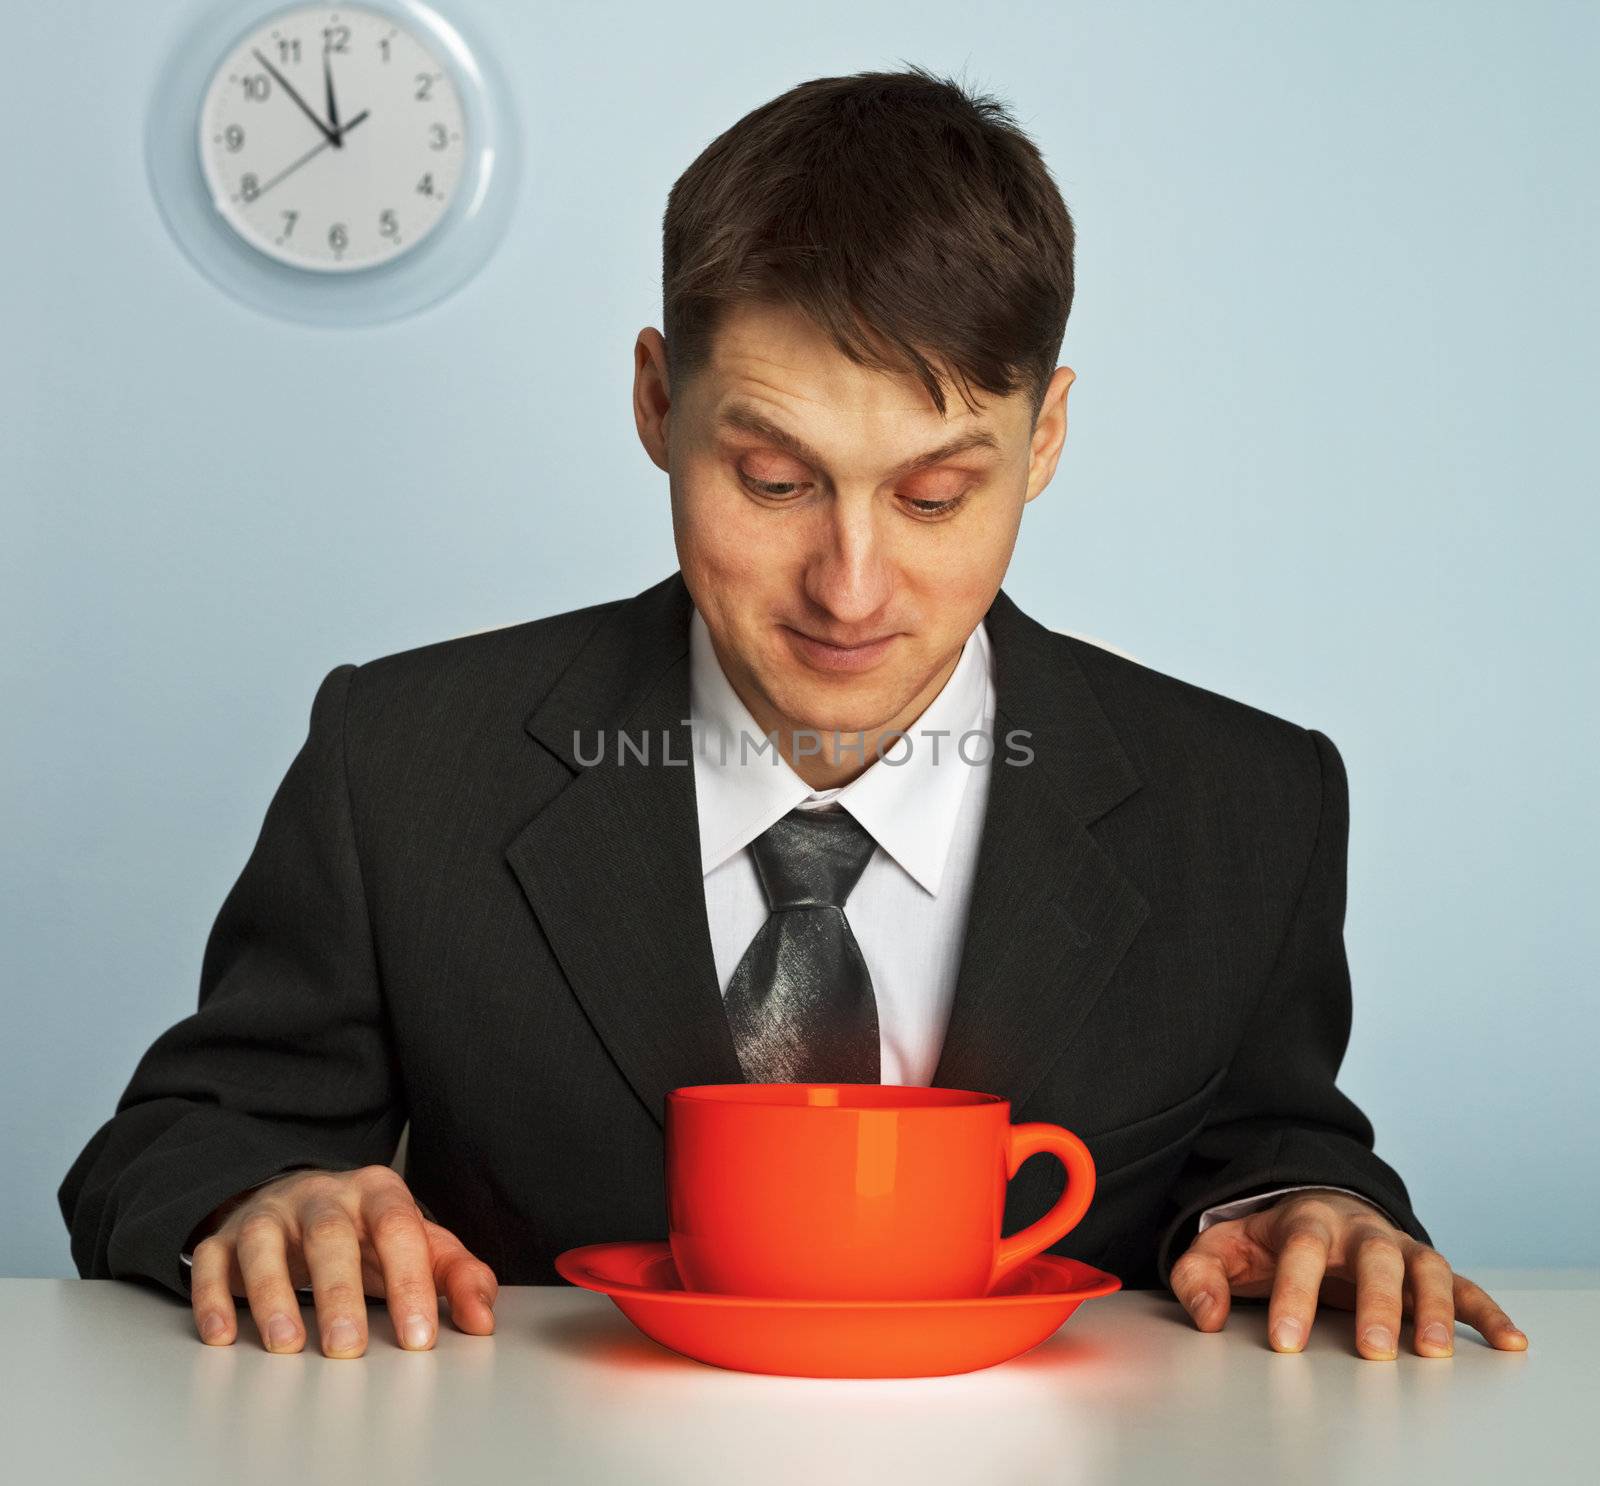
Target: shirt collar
(908, 800)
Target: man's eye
(934, 507)
(773, 489)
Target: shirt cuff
(1242, 1207)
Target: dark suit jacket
(448, 918)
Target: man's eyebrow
(750, 419)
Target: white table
(105, 1382)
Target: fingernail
(1200, 1304)
(1288, 1334)
(342, 1335)
(417, 1333)
(281, 1332)
(213, 1325)
(1378, 1339)
(1436, 1334)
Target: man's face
(839, 536)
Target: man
(515, 887)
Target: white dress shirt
(923, 804)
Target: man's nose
(850, 576)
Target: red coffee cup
(854, 1191)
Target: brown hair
(911, 220)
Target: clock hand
(333, 108)
(314, 150)
(284, 83)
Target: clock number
(338, 237)
(288, 49)
(289, 219)
(383, 46)
(425, 185)
(388, 223)
(249, 188)
(439, 136)
(335, 38)
(233, 137)
(425, 82)
(256, 87)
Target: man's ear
(652, 395)
(1049, 431)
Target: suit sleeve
(1280, 1120)
(286, 1062)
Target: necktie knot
(811, 858)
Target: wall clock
(339, 164)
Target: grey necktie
(800, 1003)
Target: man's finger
(1478, 1310)
(215, 1316)
(264, 1269)
(1380, 1273)
(468, 1283)
(1200, 1281)
(395, 1229)
(1433, 1308)
(1302, 1262)
(332, 1252)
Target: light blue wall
(1335, 345)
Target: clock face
(333, 138)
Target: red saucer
(835, 1338)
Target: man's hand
(1330, 1243)
(346, 1234)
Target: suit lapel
(611, 866)
(1051, 913)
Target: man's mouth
(831, 655)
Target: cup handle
(1029, 1139)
